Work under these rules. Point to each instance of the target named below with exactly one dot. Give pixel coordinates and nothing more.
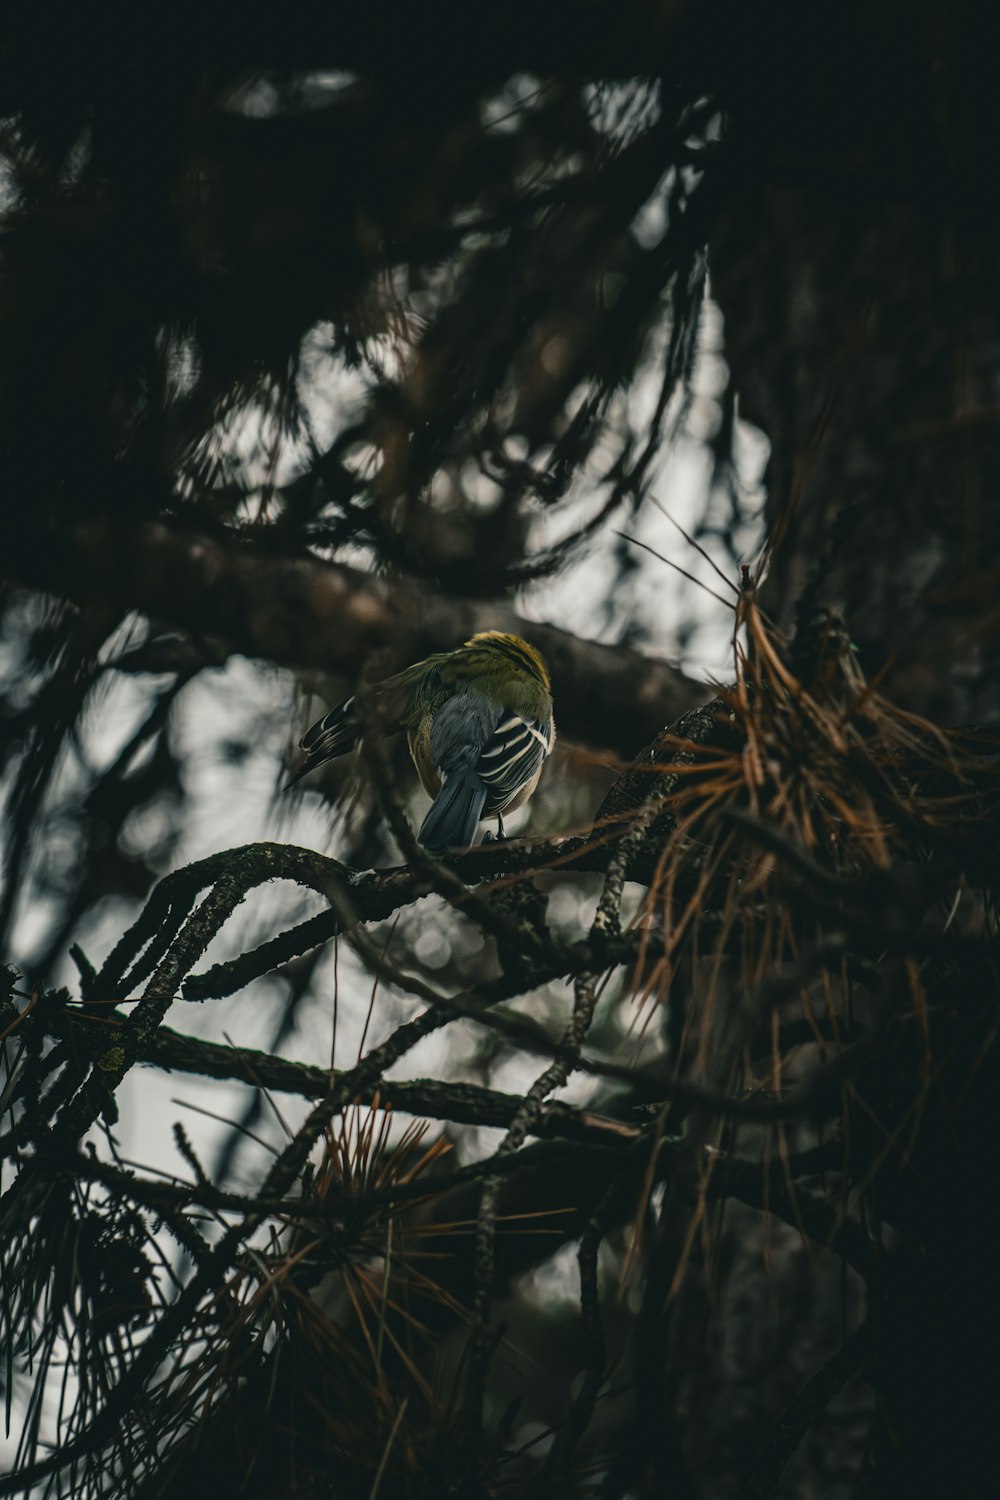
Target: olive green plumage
(479, 727)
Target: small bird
(479, 725)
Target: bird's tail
(454, 814)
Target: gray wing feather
(461, 730)
(504, 749)
(512, 757)
(461, 727)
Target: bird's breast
(419, 738)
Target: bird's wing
(512, 757)
(339, 731)
(335, 734)
(504, 748)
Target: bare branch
(303, 612)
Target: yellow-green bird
(479, 726)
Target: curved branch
(300, 611)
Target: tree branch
(303, 612)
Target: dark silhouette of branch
(845, 1366)
(302, 612)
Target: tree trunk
(863, 334)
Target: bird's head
(511, 648)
